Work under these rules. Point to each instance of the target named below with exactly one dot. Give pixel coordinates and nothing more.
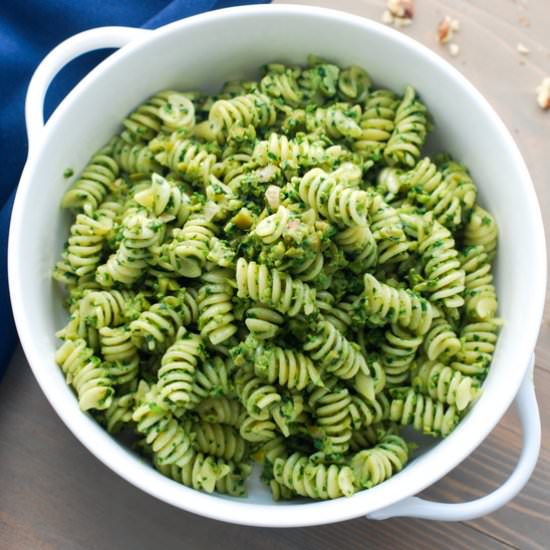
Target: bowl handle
(87, 41)
(528, 412)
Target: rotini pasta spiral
(365, 412)
(409, 132)
(186, 156)
(221, 410)
(93, 184)
(313, 480)
(482, 230)
(444, 275)
(186, 253)
(446, 385)
(133, 158)
(274, 288)
(212, 378)
(373, 466)
(331, 410)
(119, 413)
(256, 396)
(424, 414)
(168, 441)
(219, 440)
(120, 354)
(398, 352)
(377, 123)
(263, 322)
(359, 243)
(281, 82)
(354, 83)
(335, 121)
(335, 353)
(336, 202)
(176, 376)
(384, 304)
(155, 329)
(86, 374)
(441, 341)
(255, 109)
(215, 306)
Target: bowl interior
(203, 52)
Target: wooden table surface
(55, 495)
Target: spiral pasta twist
(300, 152)
(215, 306)
(441, 264)
(221, 410)
(256, 396)
(335, 201)
(140, 232)
(370, 435)
(285, 366)
(263, 322)
(478, 342)
(257, 431)
(480, 295)
(86, 242)
(255, 109)
(177, 372)
(212, 378)
(446, 384)
(482, 230)
(168, 108)
(164, 199)
(365, 412)
(109, 308)
(334, 121)
(313, 480)
(359, 243)
(398, 352)
(120, 354)
(186, 253)
(385, 304)
(331, 409)
(201, 472)
(338, 315)
(377, 123)
(155, 329)
(424, 414)
(335, 353)
(168, 441)
(186, 156)
(354, 83)
(409, 132)
(93, 184)
(281, 82)
(375, 465)
(86, 374)
(273, 288)
(219, 440)
(441, 341)
(119, 413)
(387, 231)
(133, 158)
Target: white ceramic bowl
(205, 51)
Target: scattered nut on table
(543, 94)
(398, 13)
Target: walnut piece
(522, 49)
(401, 8)
(446, 29)
(543, 94)
(454, 49)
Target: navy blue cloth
(29, 29)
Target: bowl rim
(456, 447)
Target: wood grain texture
(55, 495)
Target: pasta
(277, 274)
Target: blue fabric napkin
(29, 29)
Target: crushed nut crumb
(398, 13)
(446, 29)
(522, 49)
(543, 94)
(401, 8)
(454, 49)
(524, 21)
